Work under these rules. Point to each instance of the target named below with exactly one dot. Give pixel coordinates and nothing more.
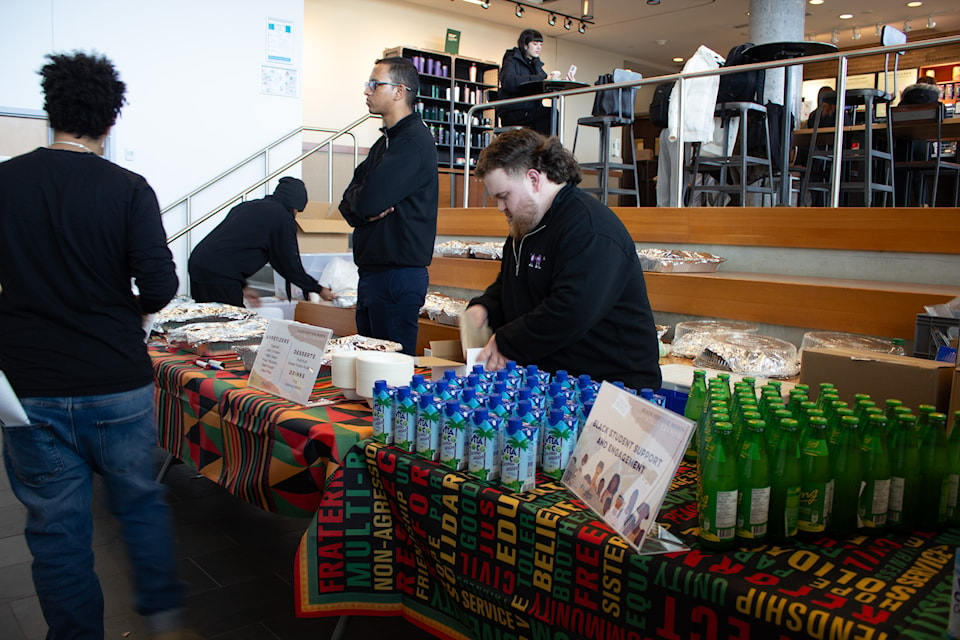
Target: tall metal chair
(867, 162)
(922, 122)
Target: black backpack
(746, 86)
(660, 105)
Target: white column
(778, 21)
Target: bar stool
(739, 158)
(605, 167)
(867, 167)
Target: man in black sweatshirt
(570, 293)
(392, 205)
(252, 234)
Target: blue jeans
(388, 304)
(50, 463)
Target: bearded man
(570, 293)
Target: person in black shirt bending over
(252, 234)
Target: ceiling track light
(835, 37)
(856, 33)
(587, 6)
(907, 26)
(879, 30)
(931, 23)
(586, 10)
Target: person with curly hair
(570, 293)
(75, 231)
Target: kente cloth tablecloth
(399, 535)
(263, 449)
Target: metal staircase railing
(327, 143)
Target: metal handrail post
(839, 122)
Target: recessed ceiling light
(816, 1)
(913, 5)
(678, 59)
(845, 16)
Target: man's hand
(383, 214)
(327, 294)
(251, 297)
(491, 357)
(477, 315)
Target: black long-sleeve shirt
(400, 172)
(252, 234)
(75, 229)
(571, 295)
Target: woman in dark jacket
(522, 64)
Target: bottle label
(874, 501)
(896, 499)
(753, 513)
(718, 522)
(814, 506)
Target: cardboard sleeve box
(321, 229)
(914, 381)
(343, 322)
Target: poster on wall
(279, 81)
(624, 462)
(280, 44)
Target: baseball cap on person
(292, 193)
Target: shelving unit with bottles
(449, 86)
(948, 79)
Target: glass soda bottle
(816, 488)
(904, 474)
(753, 482)
(717, 499)
(875, 457)
(847, 479)
(785, 482)
(696, 400)
(953, 463)
(934, 474)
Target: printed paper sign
(289, 359)
(625, 460)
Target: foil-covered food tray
(443, 309)
(750, 354)
(678, 261)
(487, 250)
(218, 338)
(184, 311)
(453, 249)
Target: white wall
(192, 70)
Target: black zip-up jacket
(571, 295)
(515, 69)
(399, 172)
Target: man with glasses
(392, 205)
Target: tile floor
(236, 560)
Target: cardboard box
(321, 229)
(443, 355)
(343, 322)
(915, 381)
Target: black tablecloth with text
(398, 535)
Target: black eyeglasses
(373, 84)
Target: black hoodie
(252, 234)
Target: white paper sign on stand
(624, 462)
(289, 359)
